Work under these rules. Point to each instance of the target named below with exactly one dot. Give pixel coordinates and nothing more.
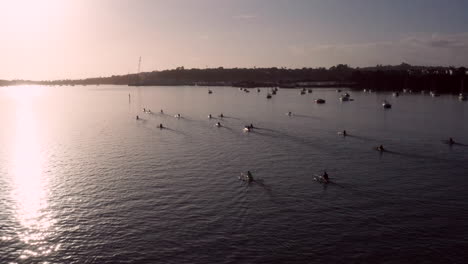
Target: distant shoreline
(386, 78)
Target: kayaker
(380, 148)
(162, 112)
(249, 176)
(161, 126)
(451, 141)
(209, 116)
(144, 110)
(221, 115)
(289, 113)
(344, 133)
(137, 118)
(325, 176)
(218, 124)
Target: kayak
(380, 150)
(245, 177)
(448, 142)
(320, 179)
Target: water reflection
(29, 184)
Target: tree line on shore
(390, 78)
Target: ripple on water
(111, 189)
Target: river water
(83, 181)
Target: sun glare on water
(29, 184)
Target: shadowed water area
(83, 181)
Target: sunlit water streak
(30, 189)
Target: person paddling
(325, 176)
(249, 176)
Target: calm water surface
(82, 181)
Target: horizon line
(248, 68)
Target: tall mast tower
(139, 65)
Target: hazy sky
(55, 39)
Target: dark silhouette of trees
(380, 77)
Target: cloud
(245, 16)
(423, 49)
(449, 41)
